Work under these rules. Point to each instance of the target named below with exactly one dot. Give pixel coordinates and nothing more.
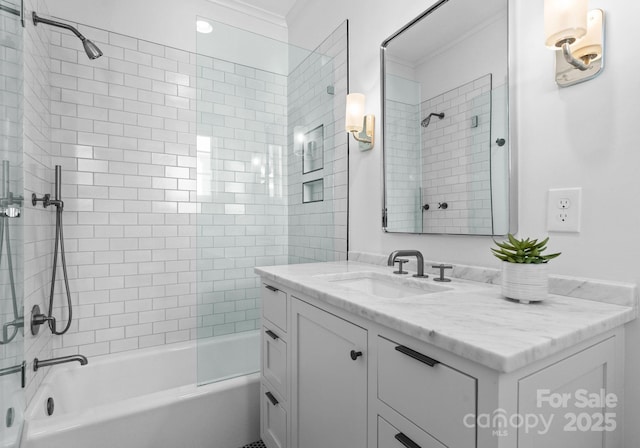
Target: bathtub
(149, 398)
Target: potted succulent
(525, 276)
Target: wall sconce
(361, 126)
(577, 35)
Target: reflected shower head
(424, 123)
(92, 50)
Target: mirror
(447, 158)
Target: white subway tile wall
(123, 130)
(38, 223)
(317, 93)
(456, 160)
(175, 187)
(242, 221)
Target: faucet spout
(409, 253)
(37, 363)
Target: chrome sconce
(577, 36)
(361, 126)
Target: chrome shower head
(424, 123)
(92, 50)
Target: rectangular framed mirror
(448, 160)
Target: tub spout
(37, 363)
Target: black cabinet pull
(271, 288)
(271, 334)
(355, 354)
(417, 356)
(271, 398)
(406, 441)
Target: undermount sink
(384, 286)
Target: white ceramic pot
(525, 282)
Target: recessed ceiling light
(204, 27)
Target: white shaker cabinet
(329, 380)
(332, 379)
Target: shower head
(92, 50)
(424, 123)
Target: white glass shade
(355, 112)
(591, 44)
(564, 19)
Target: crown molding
(254, 11)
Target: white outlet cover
(564, 209)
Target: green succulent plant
(525, 251)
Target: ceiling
(277, 7)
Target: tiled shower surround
(456, 160)
(317, 96)
(175, 177)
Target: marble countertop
(470, 319)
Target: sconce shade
(355, 112)
(564, 20)
(591, 44)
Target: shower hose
(4, 233)
(59, 245)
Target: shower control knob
(38, 319)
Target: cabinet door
(329, 393)
(558, 394)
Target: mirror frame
(512, 153)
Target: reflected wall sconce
(361, 126)
(577, 36)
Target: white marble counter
(471, 320)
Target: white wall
(580, 136)
(166, 22)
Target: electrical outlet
(563, 210)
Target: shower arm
(37, 19)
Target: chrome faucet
(53, 361)
(409, 253)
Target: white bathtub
(148, 398)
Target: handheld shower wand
(58, 247)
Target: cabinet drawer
(273, 419)
(433, 396)
(274, 359)
(274, 305)
(391, 437)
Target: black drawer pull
(272, 399)
(406, 441)
(354, 354)
(417, 356)
(271, 288)
(271, 334)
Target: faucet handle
(442, 267)
(400, 262)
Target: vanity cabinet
(332, 379)
(329, 379)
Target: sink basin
(385, 286)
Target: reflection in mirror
(446, 122)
